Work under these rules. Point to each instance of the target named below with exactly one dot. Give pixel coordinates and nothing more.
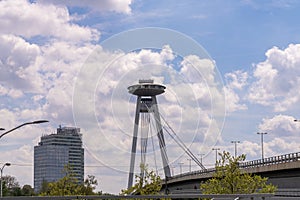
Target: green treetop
(148, 184)
(228, 179)
(68, 185)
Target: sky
(231, 69)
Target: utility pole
(235, 147)
(1, 169)
(201, 156)
(190, 164)
(180, 166)
(172, 167)
(216, 149)
(262, 144)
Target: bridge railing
(291, 157)
(202, 171)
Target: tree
(27, 190)
(68, 185)
(150, 183)
(11, 186)
(89, 185)
(45, 187)
(228, 179)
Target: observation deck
(146, 88)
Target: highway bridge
(282, 171)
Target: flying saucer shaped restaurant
(146, 88)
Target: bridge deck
(283, 171)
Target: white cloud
(280, 126)
(277, 79)
(281, 146)
(9, 119)
(36, 80)
(282, 138)
(194, 68)
(27, 19)
(237, 79)
(43, 76)
(105, 110)
(233, 101)
(16, 56)
(235, 84)
(21, 160)
(119, 6)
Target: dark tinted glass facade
(54, 152)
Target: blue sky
(57, 63)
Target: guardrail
(173, 196)
(292, 157)
(286, 158)
(288, 192)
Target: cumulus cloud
(277, 79)
(272, 147)
(237, 79)
(37, 80)
(233, 101)
(44, 73)
(119, 6)
(193, 67)
(105, 110)
(280, 126)
(282, 137)
(235, 83)
(27, 19)
(16, 57)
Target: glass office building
(54, 152)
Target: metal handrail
(292, 157)
(285, 158)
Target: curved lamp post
(6, 164)
(27, 123)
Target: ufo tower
(146, 92)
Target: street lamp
(6, 164)
(190, 160)
(262, 144)
(173, 167)
(180, 165)
(216, 149)
(235, 147)
(201, 156)
(27, 123)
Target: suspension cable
(179, 141)
(153, 148)
(185, 148)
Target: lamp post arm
(14, 129)
(27, 123)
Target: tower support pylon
(146, 92)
